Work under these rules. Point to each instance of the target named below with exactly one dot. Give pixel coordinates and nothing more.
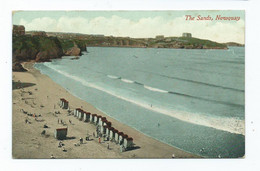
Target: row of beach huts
(104, 127)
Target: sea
(191, 99)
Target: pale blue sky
(135, 23)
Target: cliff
(40, 49)
(71, 48)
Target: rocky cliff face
(74, 51)
(17, 67)
(40, 49)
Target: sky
(137, 24)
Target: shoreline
(41, 97)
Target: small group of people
(61, 145)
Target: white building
(186, 35)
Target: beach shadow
(70, 138)
(134, 148)
(90, 139)
(19, 85)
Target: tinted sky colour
(136, 23)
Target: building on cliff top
(159, 37)
(18, 30)
(37, 33)
(186, 35)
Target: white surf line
(127, 81)
(155, 89)
(231, 125)
(113, 77)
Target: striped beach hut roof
(87, 113)
(78, 109)
(108, 123)
(64, 100)
(98, 116)
(94, 114)
(111, 128)
(125, 136)
(115, 131)
(129, 139)
(103, 118)
(120, 133)
(60, 129)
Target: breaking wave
(113, 77)
(155, 89)
(127, 81)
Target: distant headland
(42, 46)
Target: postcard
(128, 84)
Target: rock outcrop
(17, 67)
(74, 51)
(40, 49)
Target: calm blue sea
(190, 99)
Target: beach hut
(101, 121)
(80, 115)
(128, 142)
(111, 133)
(106, 122)
(107, 131)
(86, 116)
(98, 119)
(103, 129)
(120, 137)
(78, 112)
(60, 133)
(75, 112)
(116, 135)
(61, 102)
(64, 104)
(92, 116)
(124, 136)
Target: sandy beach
(40, 96)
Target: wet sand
(40, 95)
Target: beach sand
(40, 95)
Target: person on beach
(81, 140)
(70, 121)
(99, 141)
(108, 146)
(52, 156)
(58, 121)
